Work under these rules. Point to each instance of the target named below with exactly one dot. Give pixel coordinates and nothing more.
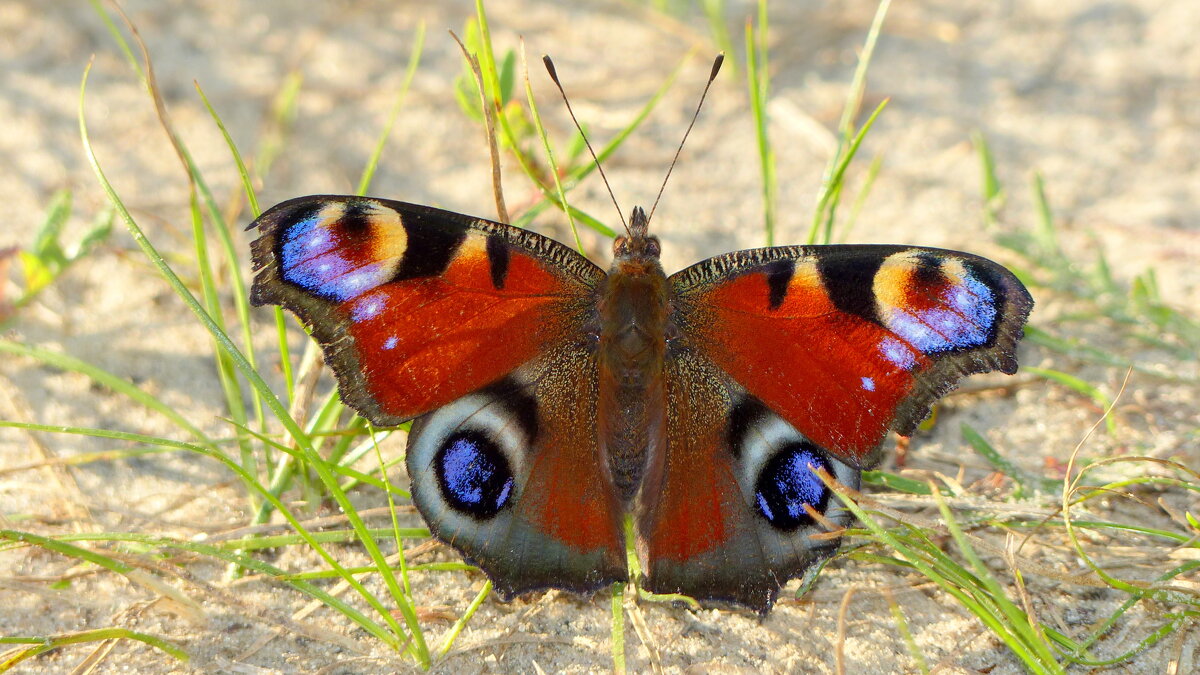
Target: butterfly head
(640, 243)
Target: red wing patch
(846, 342)
(415, 307)
(706, 527)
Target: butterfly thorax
(633, 326)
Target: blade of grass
(414, 59)
(1025, 483)
(395, 522)
(914, 651)
(826, 207)
(541, 132)
(197, 183)
(418, 645)
(1022, 627)
(1079, 386)
(860, 199)
(993, 191)
(454, 631)
(112, 382)
(973, 588)
(758, 78)
(52, 642)
(848, 141)
(617, 641)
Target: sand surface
(1102, 98)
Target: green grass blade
(617, 642)
(457, 628)
(541, 132)
(52, 642)
(831, 182)
(993, 191)
(1024, 482)
(256, 381)
(107, 380)
(831, 188)
(1079, 386)
(758, 79)
(414, 59)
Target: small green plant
(47, 258)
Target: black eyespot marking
(779, 275)
(786, 484)
(927, 272)
(850, 281)
(518, 401)
(742, 418)
(497, 253)
(355, 218)
(473, 474)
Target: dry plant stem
(311, 366)
(843, 610)
(638, 619)
(1011, 549)
(98, 656)
(1071, 486)
(489, 116)
(252, 614)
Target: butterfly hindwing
(728, 520)
(511, 477)
(414, 306)
(847, 342)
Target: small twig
(489, 116)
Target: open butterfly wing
(792, 359)
(414, 306)
(847, 342)
(475, 328)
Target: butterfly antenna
(716, 68)
(554, 76)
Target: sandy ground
(1102, 97)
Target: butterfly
(552, 400)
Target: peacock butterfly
(551, 399)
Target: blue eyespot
(786, 484)
(474, 474)
(963, 318)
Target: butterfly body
(551, 399)
(632, 351)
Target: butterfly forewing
(414, 306)
(847, 342)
